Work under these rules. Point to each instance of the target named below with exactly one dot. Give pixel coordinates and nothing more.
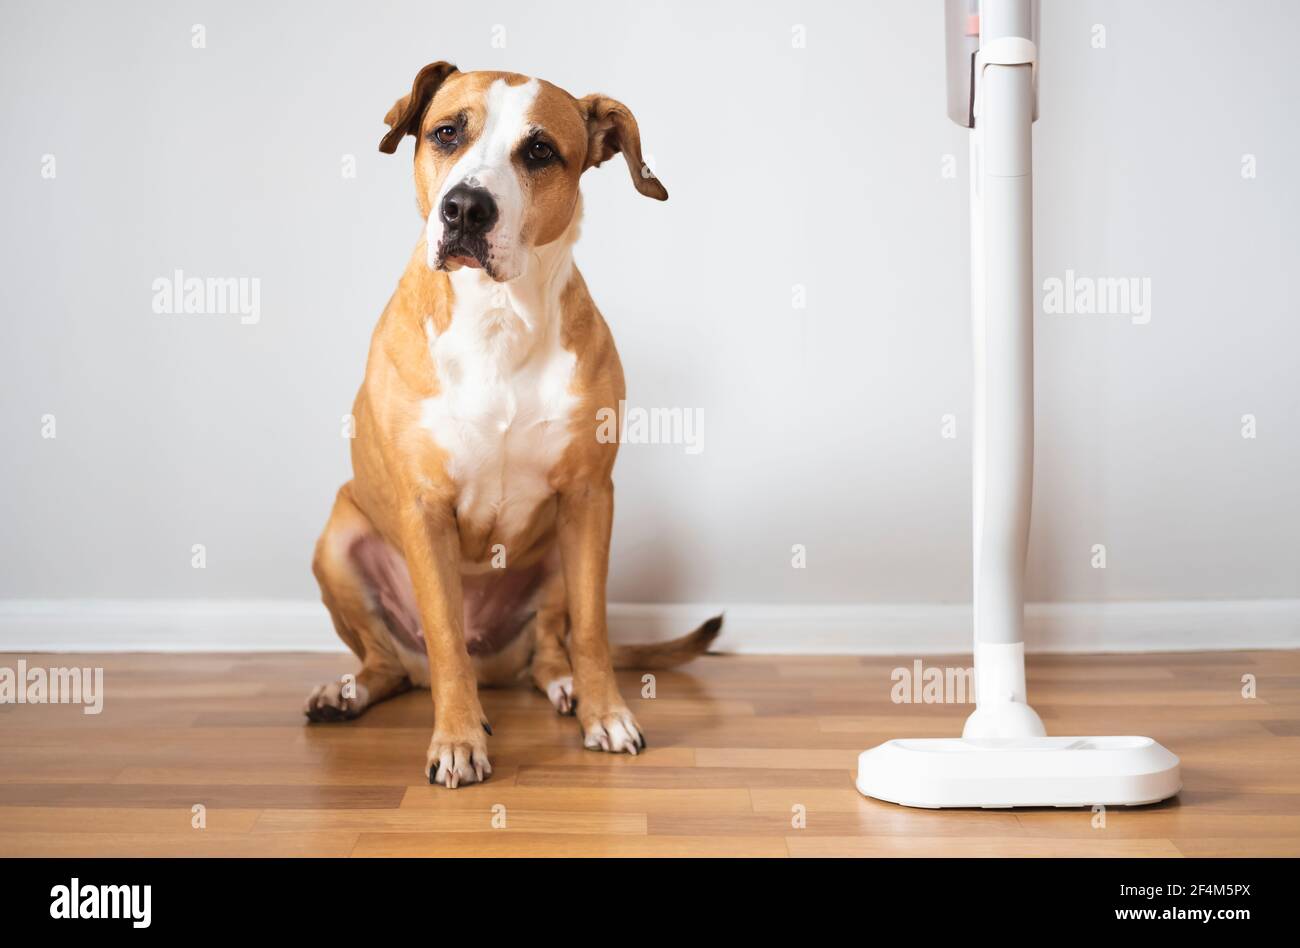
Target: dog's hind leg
(551, 671)
(349, 696)
(360, 617)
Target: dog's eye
(539, 151)
(445, 134)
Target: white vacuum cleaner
(1004, 758)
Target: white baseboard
(888, 629)
(850, 629)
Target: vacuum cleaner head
(1031, 771)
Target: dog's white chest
(503, 410)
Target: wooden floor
(737, 745)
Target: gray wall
(819, 166)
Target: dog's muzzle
(468, 215)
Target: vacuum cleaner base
(1033, 771)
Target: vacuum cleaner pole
(1004, 757)
(1002, 307)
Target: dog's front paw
(454, 759)
(614, 730)
(340, 700)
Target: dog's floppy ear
(404, 117)
(612, 129)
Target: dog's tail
(668, 654)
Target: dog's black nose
(470, 212)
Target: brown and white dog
(472, 544)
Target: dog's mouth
(465, 252)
